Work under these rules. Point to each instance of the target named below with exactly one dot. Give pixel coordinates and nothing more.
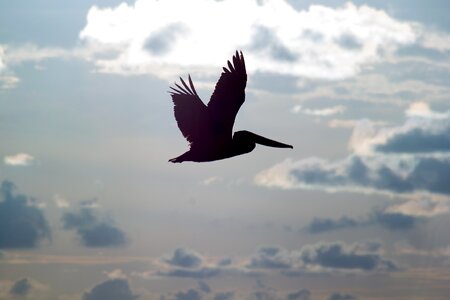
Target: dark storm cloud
(185, 258)
(92, 231)
(20, 288)
(224, 296)
(161, 42)
(302, 294)
(114, 289)
(191, 294)
(265, 39)
(418, 140)
(338, 296)
(22, 224)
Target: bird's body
(209, 129)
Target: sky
(91, 209)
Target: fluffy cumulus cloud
(19, 159)
(113, 289)
(410, 160)
(319, 42)
(186, 258)
(22, 223)
(94, 231)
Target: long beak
(268, 142)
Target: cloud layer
(411, 159)
(22, 223)
(320, 42)
(326, 258)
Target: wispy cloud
(19, 159)
(322, 112)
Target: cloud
(116, 273)
(60, 201)
(22, 224)
(191, 294)
(198, 273)
(323, 257)
(319, 42)
(323, 112)
(204, 287)
(319, 225)
(20, 288)
(410, 160)
(113, 289)
(336, 257)
(422, 207)
(92, 230)
(19, 159)
(302, 294)
(387, 218)
(338, 296)
(185, 258)
(224, 296)
(339, 256)
(271, 258)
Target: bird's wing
(190, 112)
(228, 96)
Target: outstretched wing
(190, 112)
(228, 96)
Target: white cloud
(60, 201)
(422, 207)
(422, 109)
(19, 159)
(116, 273)
(435, 40)
(7, 80)
(323, 112)
(320, 42)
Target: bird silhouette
(209, 128)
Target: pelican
(209, 128)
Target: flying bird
(209, 128)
